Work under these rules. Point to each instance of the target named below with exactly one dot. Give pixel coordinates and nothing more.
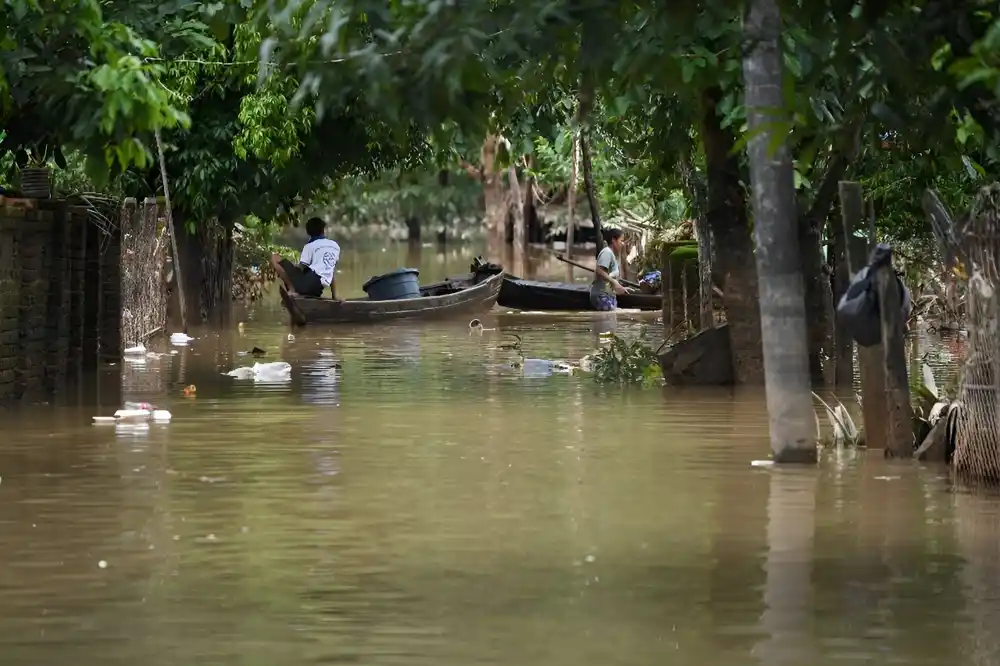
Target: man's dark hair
(611, 234)
(315, 226)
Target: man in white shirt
(317, 264)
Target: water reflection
(786, 621)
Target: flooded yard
(409, 498)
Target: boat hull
(441, 300)
(533, 295)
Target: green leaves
(102, 94)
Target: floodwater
(425, 504)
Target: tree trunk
(574, 177)
(412, 229)
(517, 205)
(843, 357)
(494, 197)
(782, 303)
(818, 325)
(703, 233)
(726, 215)
(189, 249)
(207, 255)
(532, 227)
(819, 297)
(588, 185)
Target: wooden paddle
(558, 256)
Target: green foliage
(624, 361)
(100, 95)
(252, 270)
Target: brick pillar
(58, 310)
(92, 236)
(34, 235)
(77, 250)
(110, 338)
(10, 301)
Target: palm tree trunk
(779, 271)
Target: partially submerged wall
(60, 293)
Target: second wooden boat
(463, 295)
(533, 295)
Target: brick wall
(59, 297)
(10, 303)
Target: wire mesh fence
(977, 446)
(143, 252)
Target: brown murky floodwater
(426, 505)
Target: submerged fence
(144, 293)
(977, 445)
(143, 252)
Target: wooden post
(873, 403)
(843, 362)
(703, 234)
(684, 295)
(667, 287)
(897, 388)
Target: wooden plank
(897, 388)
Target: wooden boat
(532, 295)
(461, 295)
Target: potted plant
(35, 172)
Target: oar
(558, 256)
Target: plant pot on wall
(36, 182)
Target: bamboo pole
(558, 256)
(173, 234)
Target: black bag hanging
(858, 309)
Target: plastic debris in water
(291, 338)
(189, 391)
(161, 415)
(762, 463)
(132, 414)
(180, 338)
(264, 372)
(105, 420)
(102, 564)
(138, 349)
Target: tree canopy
(263, 102)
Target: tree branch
(474, 171)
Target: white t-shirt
(321, 256)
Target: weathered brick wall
(77, 251)
(34, 231)
(10, 302)
(57, 319)
(110, 332)
(59, 297)
(91, 332)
